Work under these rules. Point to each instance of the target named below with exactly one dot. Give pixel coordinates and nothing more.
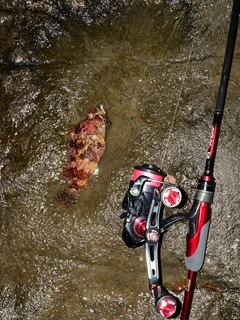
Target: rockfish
(86, 144)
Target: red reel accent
(153, 236)
(139, 226)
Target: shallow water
(156, 68)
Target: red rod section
(188, 295)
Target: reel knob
(166, 306)
(171, 196)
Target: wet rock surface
(156, 67)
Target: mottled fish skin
(86, 145)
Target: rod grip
(196, 260)
(197, 243)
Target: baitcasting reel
(143, 203)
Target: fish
(86, 144)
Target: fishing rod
(200, 214)
(150, 192)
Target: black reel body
(143, 203)
(138, 199)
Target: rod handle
(196, 245)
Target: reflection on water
(59, 263)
